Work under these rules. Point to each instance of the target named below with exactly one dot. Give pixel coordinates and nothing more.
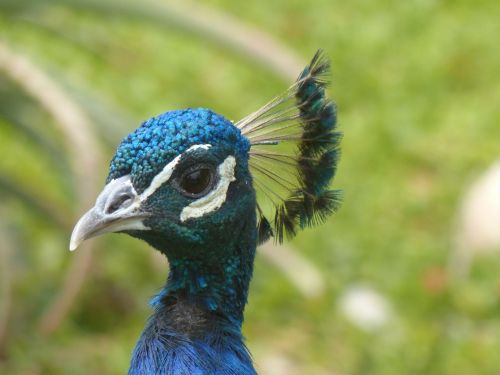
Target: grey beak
(117, 208)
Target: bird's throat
(216, 283)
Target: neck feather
(217, 282)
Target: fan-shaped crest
(294, 153)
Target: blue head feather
(145, 151)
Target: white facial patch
(213, 200)
(196, 147)
(167, 171)
(160, 178)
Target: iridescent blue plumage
(185, 182)
(145, 151)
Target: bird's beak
(117, 208)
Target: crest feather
(294, 153)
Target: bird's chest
(189, 347)
(169, 355)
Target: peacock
(205, 191)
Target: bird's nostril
(120, 201)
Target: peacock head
(186, 178)
(180, 180)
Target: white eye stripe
(196, 147)
(167, 171)
(213, 200)
(160, 178)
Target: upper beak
(117, 209)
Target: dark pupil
(197, 181)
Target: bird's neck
(215, 283)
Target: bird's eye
(196, 182)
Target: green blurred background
(417, 84)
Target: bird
(205, 192)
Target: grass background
(417, 84)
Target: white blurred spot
(365, 308)
(479, 221)
(280, 364)
(306, 277)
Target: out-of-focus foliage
(417, 87)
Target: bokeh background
(403, 280)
